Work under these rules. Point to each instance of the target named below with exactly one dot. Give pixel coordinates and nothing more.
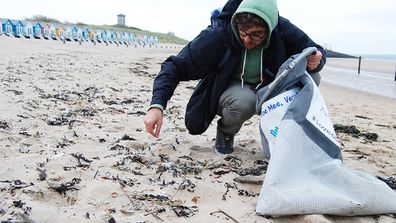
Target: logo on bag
(274, 132)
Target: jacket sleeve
(193, 62)
(296, 41)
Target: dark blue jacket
(214, 57)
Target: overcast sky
(349, 26)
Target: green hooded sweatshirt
(251, 65)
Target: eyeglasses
(254, 36)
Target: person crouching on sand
(238, 53)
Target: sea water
(383, 84)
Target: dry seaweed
(4, 125)
(80, 157)
(16, 184)
(62, 188)
(354, 132)
(184, 211)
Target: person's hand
(313, 60)
(153, 121)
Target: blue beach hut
(17, 28)
(114, 37)
(76, 33)
(109, 38)
(85, 34)
(103, 36)
(38, 30)
(7, 25)
(132, 38)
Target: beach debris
(4, 125)
(249, 180)
(247, 194)
(15, 185)
(184, 165)
(354, 132)
(158, 199)
(360, 154)
(16, 92)
(63, 187)
(195, 199)
(22, 205)
(80, 157)
(221, 171)
(362, 117)
(224, 213)
(390, 181)
(228, 186)
(125, 138)
(122, 182)
(59, 121)
(42, 171)
(184, 211)
(188, 185)
(64, 142)
(155, 213)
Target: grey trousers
(237, 105)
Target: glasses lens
(253, 36)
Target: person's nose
(246, 39)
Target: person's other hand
(313, 60)
(153, 121)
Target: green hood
(266, 9)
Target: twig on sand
(221, 211)
(154, 213)
(249, 180)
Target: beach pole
(360, 62)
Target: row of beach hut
(39, 30)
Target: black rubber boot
(224, 143)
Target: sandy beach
(73, 147)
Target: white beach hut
(68, 33)
(47, 31)
(98, 36)
(53, 31)
(28, 29)
(124, 38)
(1, 26)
